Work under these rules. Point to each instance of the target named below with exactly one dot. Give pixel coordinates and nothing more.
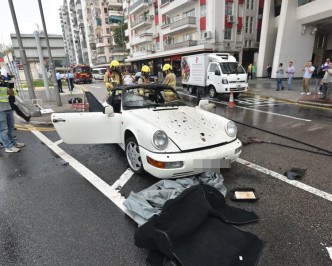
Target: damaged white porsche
(159, 133)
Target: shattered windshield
(151, 97)
(232, 68)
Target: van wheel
(133, 156)
(191, 90)
(212, 92)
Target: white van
(98, 73)
(216, 72)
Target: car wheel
(133, 156)
(191, 89)
(212, 92)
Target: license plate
(83, 74)
(238, 86)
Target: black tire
(212, 92)
(236, 95)
(133, 156)
(191, 90)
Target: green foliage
(8, 51)
(119, 35)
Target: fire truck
(82, 73)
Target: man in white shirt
(308, 70)
(327, 82)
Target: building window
(107, 30)
(105, 10)
(239, 31)
(101, 50)
(248, 4)
(252, 4)
(109, 40)
(190, 13)
(106, 20)
(203, 11)
(247, 24)
(188, 37)
(228, 34)
(157, 46)
(250, 43)
(251, 24)
(175, 18)
(202, 34)
(228, 8)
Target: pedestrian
(58, 79)
(290, 74)
(308, 69)
(322, 70)
(249, 71)
(7, 117)
(280, 75)
(113, 76)
(70, 81)
(269, 70)
(128, 78)
(327, 82)
(253, 71)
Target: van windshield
(232, 68)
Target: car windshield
(232, 68)
(82, 70)
(151, 97)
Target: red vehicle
(82, 73)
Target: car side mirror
(205, 105)
(217, 72)
(109, 111)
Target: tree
(8, 51)
(119, 35)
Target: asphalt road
(51, 215)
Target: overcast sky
(27, 14)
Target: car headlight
(224, 81)
(160, 139)
(231, 129)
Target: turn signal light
(164, 165)
(155, 163)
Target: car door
(88, 128)
(213, 79)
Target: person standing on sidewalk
(70, 81)
(280, 75)
(253, 71)
(327, 83)
(7, 117)
(58, 79)
(308, 70)
(269, 70)
(290, 74)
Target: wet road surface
(50, 214)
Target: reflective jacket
(170, 80)
(3, 95)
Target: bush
(40, 83)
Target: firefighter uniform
(170, 78)
(115, 79)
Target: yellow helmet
(167, 67)
(115, 65)
(145, 68)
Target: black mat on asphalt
(196, 229)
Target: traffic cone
(231, 104)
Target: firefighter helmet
(115, 65)
(167, 67)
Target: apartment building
(161, 31)
(297, 31)
(91, 23)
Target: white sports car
(159, 133)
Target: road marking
(96, 87)
(110, 192)
(295, 183)
(224, 103)
(33, 128)
(57, 143)
(329, 250)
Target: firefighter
(113, 76)
(170, 79)
(145, 77)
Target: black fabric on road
(295, 173)
(196, 230)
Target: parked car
(159, 133)
(98, 73)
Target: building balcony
(115, 5)
(170, 6)
(115, 13)
(180, 45)
(101, 44)
(183, 24)
(140, 53)
(79, 9)
(141, 22)
(139, 5)
(143, 38)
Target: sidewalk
(263, 87)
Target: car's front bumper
(226, 151)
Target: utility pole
(55, 83)
(23, 56)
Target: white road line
(253, 109)
(295, 183)
(329, 250)
(122, 180)
(58, 142)
(100, 184)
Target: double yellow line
(33, 128)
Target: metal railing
(180, 45)
(137, 3)
(182, 22)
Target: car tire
(212, 92)
(133, 156)
(191, 90)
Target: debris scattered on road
(243, 194)
(149, 202)
(197, 228)
(295, 173)
(64, 162)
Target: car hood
(188, 127)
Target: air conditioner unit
(152, 17)
(208, 35)
(230, 18)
